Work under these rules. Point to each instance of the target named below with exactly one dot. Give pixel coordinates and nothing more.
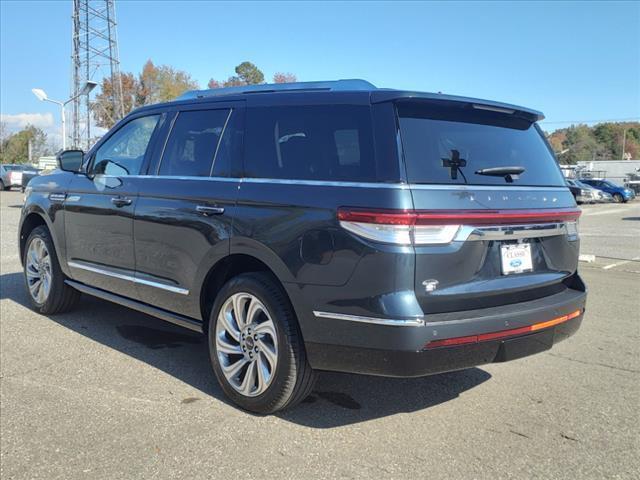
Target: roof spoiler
(386, 95)
(335, 85)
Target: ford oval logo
(516, 262)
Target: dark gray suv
(317, 226)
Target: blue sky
(575, 61)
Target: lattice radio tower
(95, 56)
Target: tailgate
(495, 222)
(469, 272)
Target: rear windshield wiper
(509, 173)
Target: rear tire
(260, 360)
(43, 276)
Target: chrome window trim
(183, 177)
(389, 322)
(501, 188)
(129, 278)
(402, 186)
(323, 183)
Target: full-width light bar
(457, 217)
(428, 227)
(486, 337)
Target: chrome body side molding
(390, 322)
(129, 278)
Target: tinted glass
(192, 143)
(230, 147)
(450, 145)
(320, 142)
(122, 154)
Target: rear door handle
(121, 201)
(206, 211)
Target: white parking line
(603, 212)
(624, 262)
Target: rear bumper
(402, 351)
(399, 363)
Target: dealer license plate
(516, 258)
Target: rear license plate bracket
(516, 258)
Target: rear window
(316, 142)
(445, 145)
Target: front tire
(43, 276)
(618, 198)
(256, 347)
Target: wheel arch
(229, 267)
(31, 221)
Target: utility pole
(624, 142)
(94, 57)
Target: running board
(174, 318)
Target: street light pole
(624, 142)
(42, 96)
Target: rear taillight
(433, 227)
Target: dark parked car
(317, 226)
(581, 193)
(619, 194)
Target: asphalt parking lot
(106, 392)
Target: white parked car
(10, 176)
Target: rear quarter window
(432, 136)
(314, 142)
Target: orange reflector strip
(485, 337)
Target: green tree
(15, 147)
(601, 142)
(249, 74)
(246, 74)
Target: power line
(630, 119)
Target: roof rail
(334, 85)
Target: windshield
(464, 146)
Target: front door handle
(121, 201)
(206, 211)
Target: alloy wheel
(38, 270)
(246, 344)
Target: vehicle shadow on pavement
(337, 400)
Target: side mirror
(70, 160)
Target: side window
(192, 143)
(315, 142)
(230, 147)
(122, 154)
